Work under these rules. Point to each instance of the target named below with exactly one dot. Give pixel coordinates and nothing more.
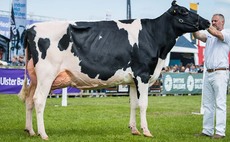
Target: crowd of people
(15, 60)
(189, 68)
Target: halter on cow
(90, 55)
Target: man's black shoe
(202, 135)
(216, 136)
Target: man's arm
(200, 36)
(213, 31)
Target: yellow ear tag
(174, 11)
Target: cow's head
(185, 20)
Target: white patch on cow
(120, 77)
(140, 84)
(132, 29)
(157, 71)
(125, 77)
(52, 51)
(43, 27)
(100, 37)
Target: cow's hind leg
(133, 107)
(41, 93)
(29, 110)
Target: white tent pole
(201, 106)
(167, 60)
(196, 58)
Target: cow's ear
(174, 3)
(173, 10)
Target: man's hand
(213, 31)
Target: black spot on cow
(64, 42)
(102, 48)
(137, 87)
(143, 62)
(127, 21)
(43, 45)
(30, 36)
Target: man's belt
(217, 69)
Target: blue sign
(5, 26)
(11, 81)
(182, 83)
(18, 26)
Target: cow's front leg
(142, 88)
(133, 107)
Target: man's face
(217, 22)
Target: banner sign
(5, 26)
(182, 83)
(18, 26)
(11, 81)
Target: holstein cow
(90, 55)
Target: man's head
(218, 21)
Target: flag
(193, 8)
(13, 31)
(17, 28)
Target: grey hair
(220, 15)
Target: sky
(84, 10)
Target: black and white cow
(90, 55)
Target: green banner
(182, 83)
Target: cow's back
(46, 43)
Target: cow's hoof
(148, 134)
(46, 138)
(31, 133)
(136, 132)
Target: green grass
(170, 119)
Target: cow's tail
(24, 90)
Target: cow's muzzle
(204, 24)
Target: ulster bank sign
(182, 83)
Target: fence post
(64, 96)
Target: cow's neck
(163, 27)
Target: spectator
(182, 69)
(201, 69)
(1, 53)
(187, 68)
(18, 61)
(21, 60)
(14, 61)
(1, 57)
(193, 69)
